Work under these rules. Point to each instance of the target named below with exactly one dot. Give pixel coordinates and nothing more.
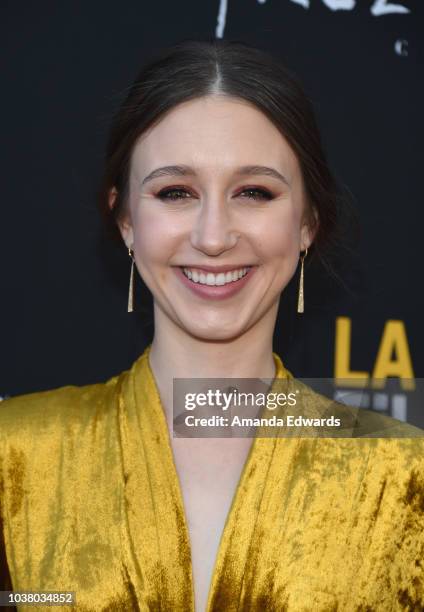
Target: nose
(213, 231)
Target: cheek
(280, 236)
(285, 241)
(154, 244)
(154, 236)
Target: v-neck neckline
(164, 440)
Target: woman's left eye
(257, 194)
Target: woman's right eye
(173, 194)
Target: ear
(112, 197)
(123, 220)
(309, 230)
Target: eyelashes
(174, 194)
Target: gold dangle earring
(301, 299)
(131, 287)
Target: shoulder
(372, 424)
(45, 408)
(355, 422)
(371, 445)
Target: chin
(214, 333)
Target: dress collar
(162, 521)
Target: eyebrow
(241, 171)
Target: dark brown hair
(192, 69)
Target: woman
(218, 186)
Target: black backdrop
(66, 66)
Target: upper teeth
(214, 279)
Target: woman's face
(215, 184)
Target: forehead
(215, 132)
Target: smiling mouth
(211, 279)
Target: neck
(176, 354)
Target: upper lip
(217, 269)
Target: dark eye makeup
(177, 193)
(173, 193)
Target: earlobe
(309, 231)
(306, 237)
(122, 220)
(126, 232)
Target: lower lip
(216, 292)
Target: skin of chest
(209, 471)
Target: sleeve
(5, 579)
(405, 569)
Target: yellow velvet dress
(90, 502)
